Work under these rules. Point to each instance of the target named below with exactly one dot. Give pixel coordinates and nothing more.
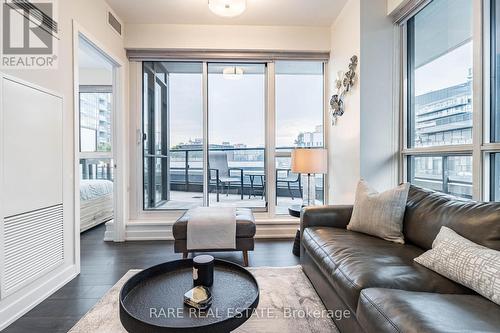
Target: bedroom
(95, 101)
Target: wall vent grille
(114, 23)
(33, 246)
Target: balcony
(448, 174)
(247, 188)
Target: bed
(96, 203)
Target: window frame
(488, 148)
(262, 213)
(480, 148)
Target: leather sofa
(377, 285)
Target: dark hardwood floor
(104, 263)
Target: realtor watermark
(29, 34)
(267, 313)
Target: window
(299, 123)
(96, 132)
(495, 72)
(495, 177)
(95, 118)
(204, 133)
(236, 134)
(440, 74)
(448, 174)
(439, 94)
(493, 152)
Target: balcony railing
(186, 171)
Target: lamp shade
(309, 160)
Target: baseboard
(275, 231)
(155, 230)
(21, 305)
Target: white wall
(379, 130)
(220, 37)
(91, 15)
(344, 153)
(363, 144)
(392, 5)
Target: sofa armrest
(326, 216)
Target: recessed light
(227, 8)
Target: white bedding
(96, 203)
(93, 189)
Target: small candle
(203, 270)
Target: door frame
(118, 135)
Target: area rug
(285, 293)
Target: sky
(446, 71)
(237, 108)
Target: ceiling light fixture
(232, 73)
(227, 8)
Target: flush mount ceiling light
(227, 8)
(232, 73)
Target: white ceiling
(314, 13)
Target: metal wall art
(343, 84)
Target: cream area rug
(287, 303)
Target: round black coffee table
(152, 300)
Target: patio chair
(220, 173)
(289, 179)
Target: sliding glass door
(236, 134)
(206, 136)
(155, 136)
(173, 135)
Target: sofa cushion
(385, 310)
(465, 262)
(427, 211)
(379, 214)
(245, 225)
(353, 261)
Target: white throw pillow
(380, 214)
(472, 265)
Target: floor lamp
(309, 161)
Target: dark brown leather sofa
(379, 284)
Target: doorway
(95, 112)
(204, 153)
(98, 175)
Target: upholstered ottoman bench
(245, 232)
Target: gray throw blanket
(211, 228)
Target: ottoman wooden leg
(184, 255)
(245, 258)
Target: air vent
(114, 23)
(33, 246)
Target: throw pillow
(472, 265)
(379, 214)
